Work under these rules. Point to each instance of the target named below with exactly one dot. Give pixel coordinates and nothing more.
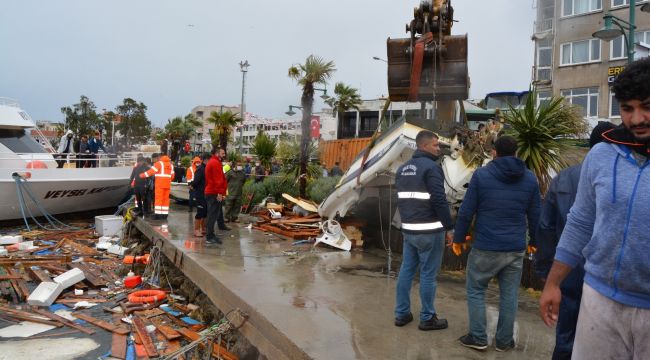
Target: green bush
(186, 161)
(320, 188)
(273, 185)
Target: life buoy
(147, 296)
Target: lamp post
(291, 112)
(379, 59)
(243, 65)
(625, 28)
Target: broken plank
(217, 350)
(101, 323)
(64, 321)
(91, 275)
(19, 285)
(38, 275)
(140, 328)
(118, 346)
(168, 332)
(10, 277)
(23, 315)
(36, 260)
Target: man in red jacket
(215, 193)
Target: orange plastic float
(147, 296)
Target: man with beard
(607, 229)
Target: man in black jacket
(425, 216)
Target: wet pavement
(306, 302)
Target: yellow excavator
(431, 64)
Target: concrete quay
(318, 303)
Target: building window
(614, 108)
(580, 52)
(199, 114)
(544, 60)
(586, 98)
(544, 97)
(577, 7)
(618, 47)
(616, 3)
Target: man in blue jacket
(558, 200)
(504, 196)
(608, 229)
(425, 216)
(94, 145)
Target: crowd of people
(86, 151)
(590, 229)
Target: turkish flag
(315, 126)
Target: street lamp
(625, 28)
(291, 112)
(379, 59)
(325, 97)
(243, 65)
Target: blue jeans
(426, 251)
(482, 266)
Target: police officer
(425, 216)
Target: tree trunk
(223, 141)
(307, 102)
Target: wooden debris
(64, 321)
(38, 275)
(167, 332)
(101, 323)
(118, 346)
(140, 328)
(218, 351)
(26, 316)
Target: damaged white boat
(364, 177)
(28, 168)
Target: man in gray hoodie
(608, 229)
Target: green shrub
(186, 161)
(320, 188)
(273, 185)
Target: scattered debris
(52, 281)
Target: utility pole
(242, 109)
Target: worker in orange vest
(189, 177)
(163, 173)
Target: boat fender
(147, 296)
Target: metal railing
(73, 160)
(9, 102)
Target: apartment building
(570, 62)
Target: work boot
(213, 240)
(403, 320)
(433, 324)
(224, 228)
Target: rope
(22, 187)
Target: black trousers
(141, 199)
(215, 215)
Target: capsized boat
(391, 150)
(58, 191)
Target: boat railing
(9, 102)
(70, 160)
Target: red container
(132, 281)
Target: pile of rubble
(51, 280)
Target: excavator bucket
(442, 73)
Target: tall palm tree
(345, 98)
(224, 123)
(179, 128)
(315, 70)
(539, 129)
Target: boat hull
(65, 190)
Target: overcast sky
(173, 55)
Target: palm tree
(264, 147)
(539, 129)
(346, 98)
(315, 70)
(179, 128)
(224, 122)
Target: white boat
(58, 191)
(180, 191)
(363, 179)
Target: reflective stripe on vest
(423, 226)
(163, 175)
(413, 195)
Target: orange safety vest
(163, 171)
(189, 174)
